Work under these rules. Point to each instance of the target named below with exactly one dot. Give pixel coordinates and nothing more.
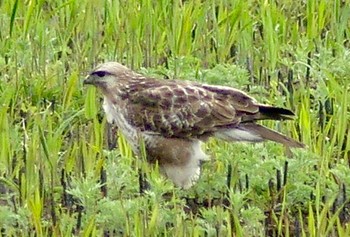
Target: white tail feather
(253, 132)
(238, 134)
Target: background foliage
(60, 174)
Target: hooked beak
(89, 80)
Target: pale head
(106, 74)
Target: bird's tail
(253, 132)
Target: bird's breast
(115, 115)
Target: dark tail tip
(276, 113)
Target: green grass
(58, 175)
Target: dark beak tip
(87, 81)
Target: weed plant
(65, 172)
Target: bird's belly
(179, 159)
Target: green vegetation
(58, 174)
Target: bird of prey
(174, 117)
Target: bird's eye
(100, 73)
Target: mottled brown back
(186, 109)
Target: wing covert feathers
(185, 109)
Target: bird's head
(106, 74)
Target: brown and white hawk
(173, 117)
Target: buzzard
(174, 117)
